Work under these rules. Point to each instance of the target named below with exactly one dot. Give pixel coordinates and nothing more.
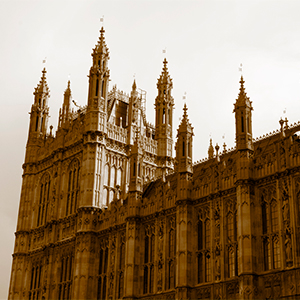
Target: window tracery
(73, 187)
(44, 200)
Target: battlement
(116, 133)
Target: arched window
(104, 200)
(203, 251)
(102, 273)
(274, 216)
(112, 176)
(270, 230)
(119, 177)
(183, 148)
(73, 187)
(231, 244)
(97, 87)
(106, 175)
(43, 200)
(111, 196)
(35, 282)
(102, 89)
(149, 262)
(65, 283)
(171, 259)
(242, 123)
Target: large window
(65, 281)
(35, 281)
(270, 230)
(203, 251)
(171, 258)
(73, 188)
(231, 244)
(43, 200)
(149, 260)
(102, 273)
(121, 266)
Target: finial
(134, 85)
(184, 110)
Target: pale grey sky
(205, 40)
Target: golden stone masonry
(107, 212)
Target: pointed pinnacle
(134, 85)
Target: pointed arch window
(106, 174)
(65, 282)
(121, 267)
(171, 259)
(231, 256)
(35, 281)
(44, 200)
(149, 260)
(102, 271)
(102, 89)
(97, 87)
(203, 251)
(112, 176)
(270, 230)
(73, 188)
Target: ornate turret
(40, 111)
(99, 76)
(243, 120)
(184, 145)
(64, 116)
(164, 103)
(210, 150)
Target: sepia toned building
(107, 212)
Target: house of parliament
(107, 212)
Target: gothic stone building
(106, 211)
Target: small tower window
(37, 123)
(242, 120)
(183, 148)
(133, 169)
(97, 87)
(102, 89)
(169, 117)
(164, 116)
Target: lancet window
(44, 190)
(73, 187)
(121, 266)
(270, 230)
(231, 243)
(102, 273)
(204, 248)
(171, 254)
(65, 280)
(149, 259)
(35, 281)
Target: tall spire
(164, 103)
(184, 143)
(99, 76)
(65, 111)
(243, 119)
(40, 111)
(242, 97)
(42, 86)
(165, 79)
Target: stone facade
(107, 212)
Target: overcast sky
(205, 41)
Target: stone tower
(164, 104)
